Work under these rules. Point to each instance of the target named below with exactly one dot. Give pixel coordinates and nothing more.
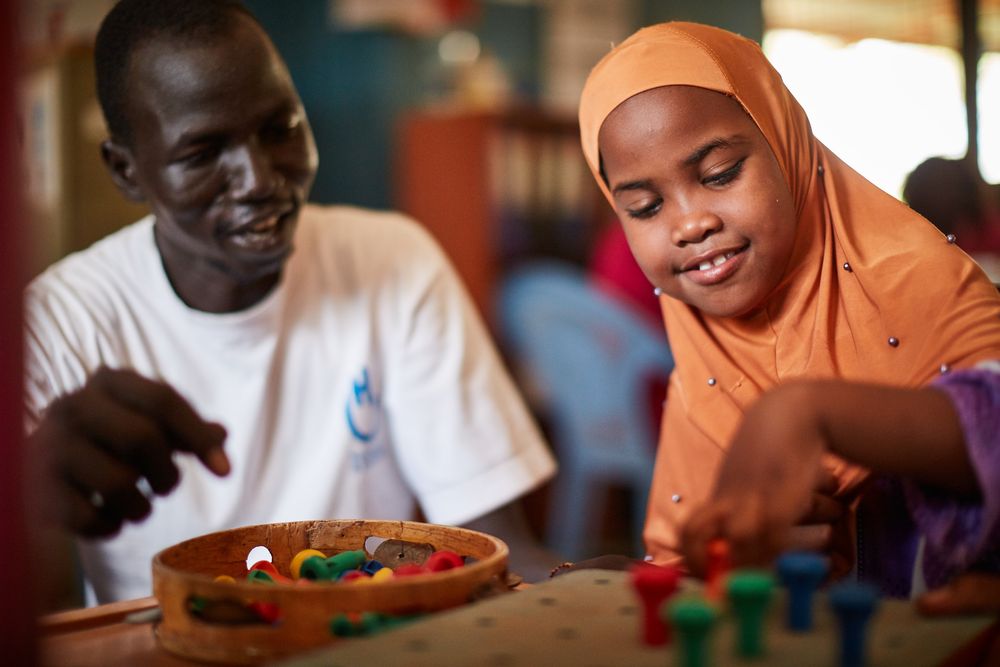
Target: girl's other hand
(972, 593)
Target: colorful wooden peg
(654, 585)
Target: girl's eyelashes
(646, 211)
(727, 176)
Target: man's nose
(253, 175)
(695, 227)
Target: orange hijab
(873, 291)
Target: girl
(815, 320)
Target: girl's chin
(745, 308)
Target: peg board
(591, 618)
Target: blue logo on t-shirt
(364, 420)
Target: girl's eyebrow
(702, 151)
(644, 184)
(696, 156)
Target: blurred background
(462, 114)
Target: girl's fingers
(974, 593)
(823, 509)
(704, 525)
(814, 537)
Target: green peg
(750, 593)
(260, 577)
(342, 626)
(345, 560)
(693, 619)
(315, 569)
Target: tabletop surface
(104, 636)
(586, 619)
(591, 618)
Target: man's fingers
(78, 512)
(215, 458)
(99, 442)
(89, 468)
(185, 429)
(98, 489)
(133, 438)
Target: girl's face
(703, 201)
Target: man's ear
(121, 165)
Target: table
(102, 637)
(591, 618)
(583, 618)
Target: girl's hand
(771, 480)
(971, 593)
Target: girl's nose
(695, 227)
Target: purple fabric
(962, 535)
(887, 537)
(959, 535)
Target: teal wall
(741, 16)
(352, 83)
(355, 83)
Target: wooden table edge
(75, 620)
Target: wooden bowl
(186, 571)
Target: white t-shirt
(364, 383)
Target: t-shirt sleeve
(51, 366)
(465, 440)
(963, 534)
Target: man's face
(702, 199)
(222, 152)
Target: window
(883, 107)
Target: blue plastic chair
(589, 359)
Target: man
(317, 362)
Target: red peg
(717, 569)
(654, 584)
(268, 566)
(443, 560)
(269, 612)
(408, 570)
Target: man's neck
(204, 286)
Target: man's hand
(98, 442)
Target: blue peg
(801, 572)
(853, 603)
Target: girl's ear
(121, 165)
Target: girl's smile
(714, 266)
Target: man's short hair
(131, 23)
